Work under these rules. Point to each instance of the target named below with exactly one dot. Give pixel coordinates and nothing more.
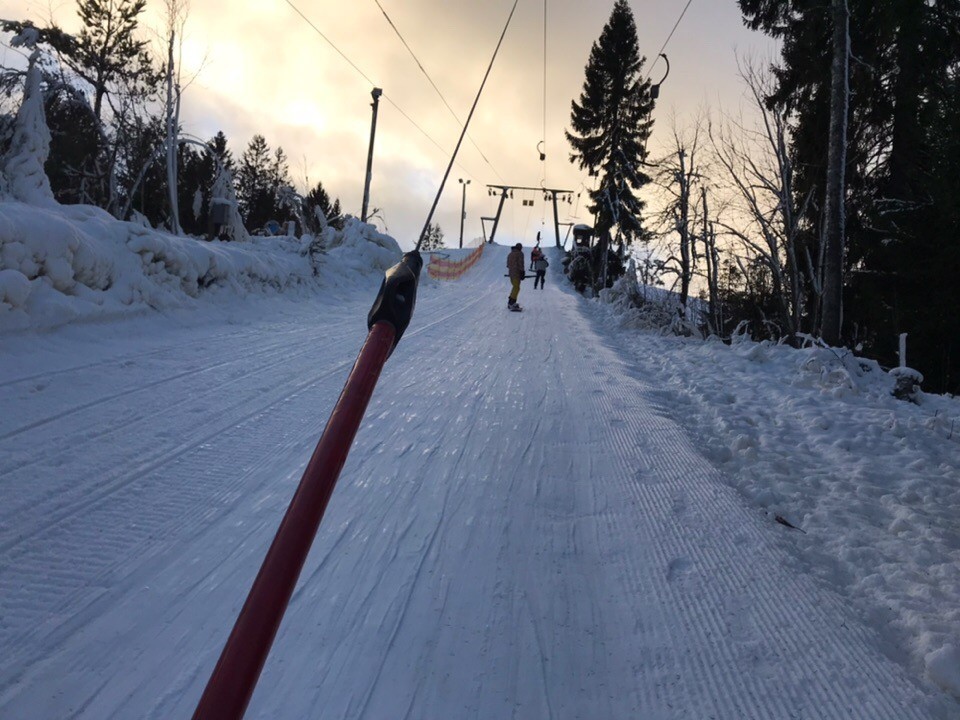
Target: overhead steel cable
(365, 77)
(544, 91)
(329, 42)
(663, 47)
(426, 224)
(434, 85)
(543, 142)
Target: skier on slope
(539, 265)
(535, 255)
(515, 271)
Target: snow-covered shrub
(907, 384)
(636, 306)
(360, 244)
(24, 176)
(224, 198)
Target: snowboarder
(540, 266)
(515, 271)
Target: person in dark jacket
(540, 266)
(516, 272)
(535, 255)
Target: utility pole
(375, 93)
(463, 207)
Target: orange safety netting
(443, 269)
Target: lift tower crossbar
(505, 190)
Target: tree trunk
(710, 257)
(834, 220)
(683, 227)
(906, 132)
(172, 123)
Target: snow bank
(816, 438)
(360, 247)
(62, 263)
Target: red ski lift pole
(235, 676)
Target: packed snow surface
(545, 514)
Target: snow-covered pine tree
(24, 176)
(223, 195)
(316, 205)
(114, 66)
(611, 124)
(433, 240)
(254, 183)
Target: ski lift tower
(507, 191)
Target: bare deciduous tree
(761, 212)
(176, 16)
(678, 177)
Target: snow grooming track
(128, 514)
(518, 532)
(73, 541)
(159, 490)
(511, 561)
(746, 621)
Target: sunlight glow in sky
(257, 67)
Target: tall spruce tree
(75, 137)
(139, 175)
(198, 171)
(319, 200)
(255, 184)
(610, 126)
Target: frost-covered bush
(637, 305)
(907, 384)
(24, 178)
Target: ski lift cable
(329, 42)
(231, 685)
(476, 100)
(365, 77)
(434, 86)
(663, 47)
(543, 154)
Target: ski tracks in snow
(518, 532)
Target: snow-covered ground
(544, 514)
(816, 438)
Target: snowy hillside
(545, 514)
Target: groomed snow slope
(520, 531)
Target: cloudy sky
(259, 67)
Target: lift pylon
(504, 190)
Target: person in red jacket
(516, 272)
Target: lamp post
(463, 207)
(655, 89)
(375, 94)
(654, 94)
